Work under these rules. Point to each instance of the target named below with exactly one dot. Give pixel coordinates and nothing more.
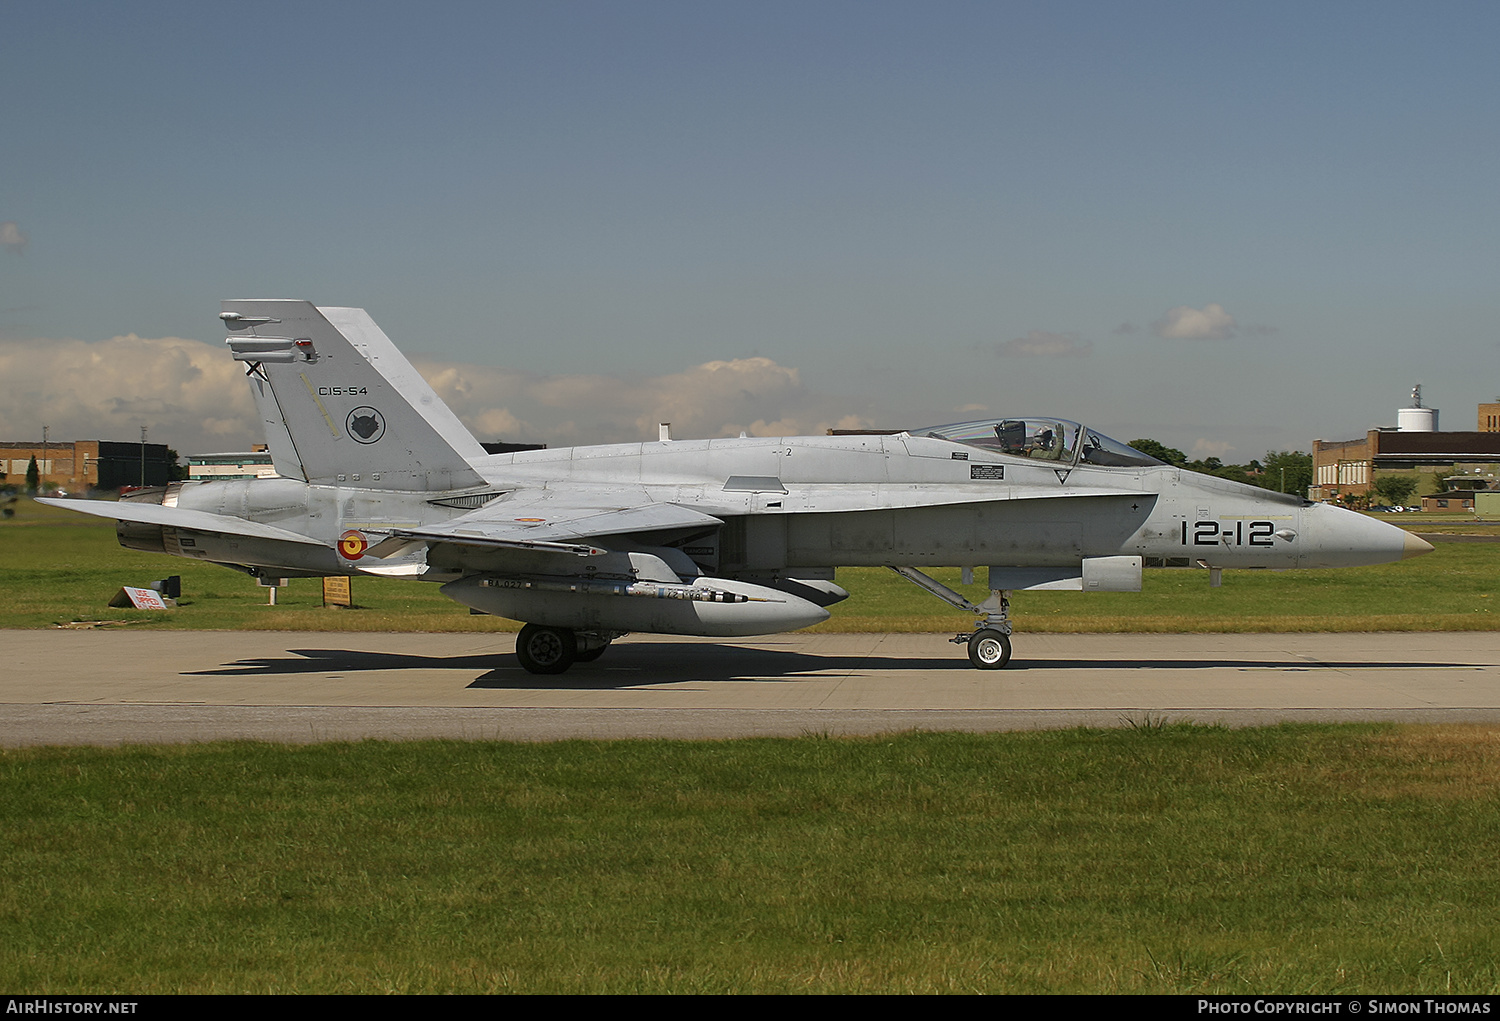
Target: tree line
(1284, 471)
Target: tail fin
(341, 405)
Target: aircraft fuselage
(702, 537)
(823, 502)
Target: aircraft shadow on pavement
(633, 666)
(629, 666)
(623, 666)
(1284, 665)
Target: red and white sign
(145, 598)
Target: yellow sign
(337, 591)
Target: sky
(1231, 227)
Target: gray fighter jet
(717, 537)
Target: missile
(638, 589)
(713, 607)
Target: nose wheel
(989, 649)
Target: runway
(111, 687)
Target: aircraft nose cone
(1415, 546)
(1335, 537)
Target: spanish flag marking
(352, 545)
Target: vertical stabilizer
(341, 405)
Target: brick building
(80, 465)
(1350, 467)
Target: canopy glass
(1042, 439)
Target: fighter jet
(715, 537)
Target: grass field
(57, 566)
(1152, 858)
(1156, 859)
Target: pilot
(1046, 449)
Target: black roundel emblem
(366, 425)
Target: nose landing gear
(989, 642)
(989, 649)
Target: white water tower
(1417, 419)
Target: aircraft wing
(181, 517)
(547, 521)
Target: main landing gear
(989, 642)
(543, 649)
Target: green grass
(1159, 858)
(57, 566)
(1154, 858)
(1450, 589)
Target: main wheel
(546, 650)
(989, 649)
(589, 655)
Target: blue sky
(920, 208)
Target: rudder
(341, 405)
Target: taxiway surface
(102, 687)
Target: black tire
(546, 650)
(989, 649)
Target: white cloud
(193, 397)
(190, 394)
(1184, 322)
(1041, 344)
(11, 236)
(1203, 448)
(720, 398)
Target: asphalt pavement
(112, 687)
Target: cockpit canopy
(1043, 439)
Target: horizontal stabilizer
(180, 517)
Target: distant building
(1350, 467)
(1452, 500)
(251, 464)
(80, 465)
